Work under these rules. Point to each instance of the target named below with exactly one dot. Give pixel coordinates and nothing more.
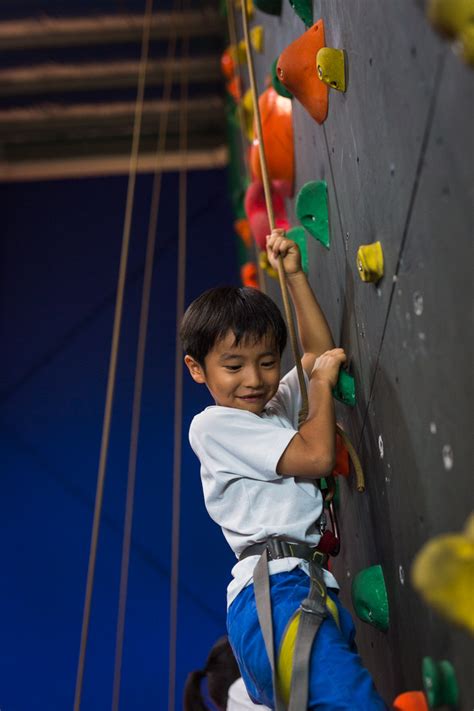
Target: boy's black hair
(246, 312)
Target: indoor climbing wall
(396, 153)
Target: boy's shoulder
(214, 414)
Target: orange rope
(114, 354)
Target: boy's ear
(196, 370)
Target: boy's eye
(269, 364)
(232, 368)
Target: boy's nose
(253, 379)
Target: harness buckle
(275, 549)
(313, 607)
(319, 557)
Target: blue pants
(338, 681)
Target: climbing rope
(281, 272)
(114, 352)
(271, 217)
(233, 42)
(138, 385)
(178, 403)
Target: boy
(258, 475)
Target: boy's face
(245, 376)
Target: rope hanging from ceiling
(111, 379)
(360, 482)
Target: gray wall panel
(396, 152)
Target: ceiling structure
(68, 89)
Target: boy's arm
(312, 451)
(313, 329)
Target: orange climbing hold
(249, 275)
(277, 128)
(296, 69)
(411, 701)
(227, 64)
(234, 88)
(242, 228)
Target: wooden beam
(39, 121)
(105, 29)
(46, 78)
(112, 165)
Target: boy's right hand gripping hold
(327, 365)
(312, 451)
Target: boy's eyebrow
(229, 356)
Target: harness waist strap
(277, 549)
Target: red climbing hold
(296, 69)
(249, 275)
(256, 210)
(411, 701)
(277, 129)
(342, 466)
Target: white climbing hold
(381, 446)
(401, 574)
(448, 456)
(418, 303)
(433, 428)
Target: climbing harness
(303, 626)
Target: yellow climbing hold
(466, 43)
(370, 262)
(331, 67)
(241, 52)
(256, 38)
(443, 573)
(266, 266)
(238, 52)
(250, 7)
(248, 114)
(450, 16)
(455, 18)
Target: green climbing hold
(312, 210)
(298, 235)
(271, 7)
(276, 83)
(345, 388)
(440, 683)
(369, 597)
(304, 10)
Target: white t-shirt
(243, 493)
(239, 700)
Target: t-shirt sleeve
(287, 401)
(237, 443)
